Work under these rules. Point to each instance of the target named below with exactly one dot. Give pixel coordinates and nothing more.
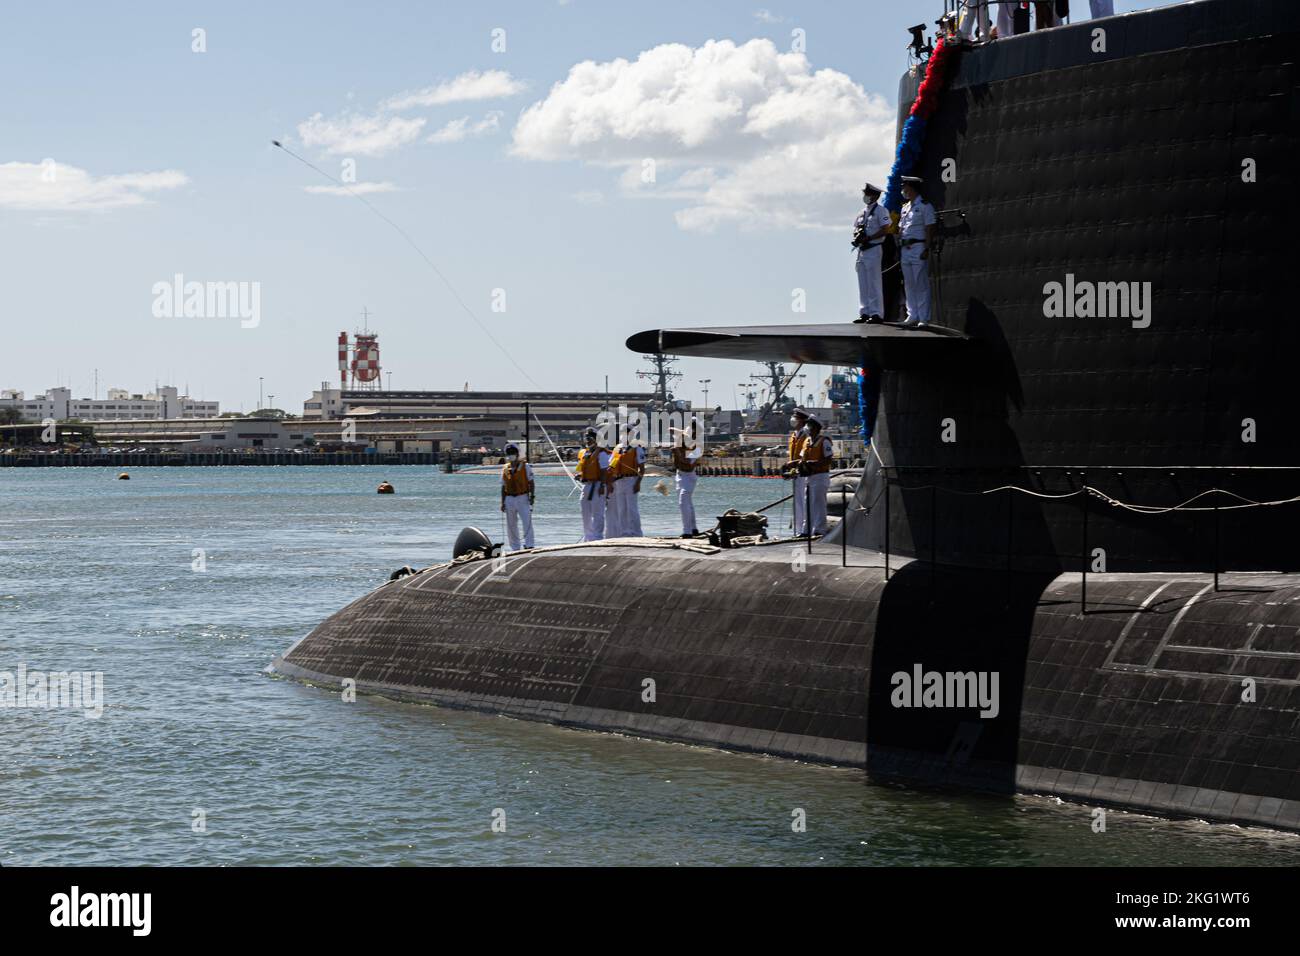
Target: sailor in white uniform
(627, 467)
(799, 494)
(915, 236)
(869, 231)
(518, 492)
(976, 13)
(593, 473)
(684, 461)
(816, 458)
(1006, 20)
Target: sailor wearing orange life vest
(684, 461)
(593, 472)
(626, 468)
(816, 458)
(518, 492)
(799, 422)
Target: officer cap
(870, 188)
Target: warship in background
(1098, 511)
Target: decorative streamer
(908, 155)
(868, 400)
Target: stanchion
(1083, 590)
(934, 534)
(886, 474)
(1011, 501)
(1214, 480)
(844, 530)
(807, 510)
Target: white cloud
(356, 135)
(56, 186)
(358, 189)
(767, 16)
(468, 87)
(738, 133)
(460, 129)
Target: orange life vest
(515, 478)
(624, 463)
(680, 461)
(814, 455)
(589, 463)
(797, 440)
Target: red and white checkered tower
(343, 360)
(365, 360)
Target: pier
(152, 459)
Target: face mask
(794, 423)
(512, 456)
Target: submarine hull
(1151, 692)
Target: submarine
(1070, 566)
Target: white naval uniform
(593, 504)
(915, 217)
(800, 496)
(519, 511)
(818, 486)
(685, 481)
(1006, 20)
(976, 13)
(871, 298)
(624, 519)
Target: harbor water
(179, 585)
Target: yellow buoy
(384, 488)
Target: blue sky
(127, 158)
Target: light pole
(705, 382)
(260, 406)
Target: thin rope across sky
(403, 233)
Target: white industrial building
(120, 405)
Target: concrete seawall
(1162, 695)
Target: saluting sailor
(626, 467)
(684, 461)
(798, 421)
(518, 493)
(816, 457)
(869, 231)
(593, 472)
(915, 236)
